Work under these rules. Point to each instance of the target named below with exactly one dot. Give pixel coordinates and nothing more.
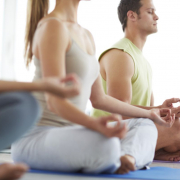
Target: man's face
(147, 21)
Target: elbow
(94, 104)
(50, 106)
(97, 102)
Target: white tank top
(86, 67)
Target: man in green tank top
(126, 74)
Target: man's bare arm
(117, 68)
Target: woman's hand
(115, 129)
(65, 88)
(157, 116)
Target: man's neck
(136, 37)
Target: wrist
(159, 107)
(149, 114)
(90, 123)
(41, 85)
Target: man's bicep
(119, 68)
(120, 89)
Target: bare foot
(167, 156)
(127, 164)
(12, 171)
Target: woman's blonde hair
(36, 10)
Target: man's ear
(132, 16)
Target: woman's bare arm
(7, 86)
(53, 85)
(107, 103)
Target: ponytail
(36, 10)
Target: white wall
(20, 70)
(8, 39)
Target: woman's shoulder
(90, 36)
(50, 23)
(50, 30)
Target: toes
(18, 175)
(176, 159)
(131, 167)
(123, 171)
(12, 171)
(171, 159)
(21, 167)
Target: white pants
(72, 149)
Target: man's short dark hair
(124, 7)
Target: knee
(26, 107)
(107, 156)
(22, 97)
(152, 126)
(27, 98)
(111, 150)
(29, 104)
(148, 126)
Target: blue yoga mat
(170, 162)
(155, 173)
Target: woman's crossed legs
(73, 149)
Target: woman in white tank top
(66, 139)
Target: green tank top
(141, 80)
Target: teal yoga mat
(154, 173)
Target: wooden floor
(7, 158)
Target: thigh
(140, 141)
(9, 98)
(69, 149)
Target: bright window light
(1, 29)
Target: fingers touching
(72, 78)
(171, 101)
(113, 129)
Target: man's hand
(176, 111)
(168, 103)
(157, 115)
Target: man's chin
(153, 31)
(156, 31)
